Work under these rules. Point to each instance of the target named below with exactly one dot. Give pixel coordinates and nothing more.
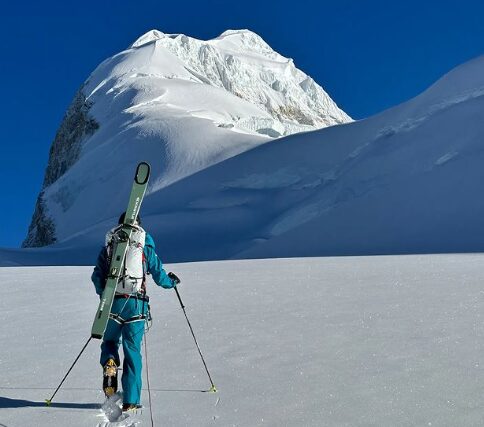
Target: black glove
(174, 278)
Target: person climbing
(130, 309)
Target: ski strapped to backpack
(120, 247)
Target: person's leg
(110, 344)
(132, 364)
(112, 335)
(109, 352)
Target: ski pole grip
(179, 298)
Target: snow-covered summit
(240, 40)
(242, 63)
(182, 103)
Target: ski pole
(148, 381)
(213, 389)
(49, 401)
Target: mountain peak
(240, 32)
(183, 102)
(240, 63)
(148, 37)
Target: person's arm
(155, 268)
(99, 275)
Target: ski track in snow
(350, 341)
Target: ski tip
(213, 389)
(48, 402)
(142, 173)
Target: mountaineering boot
(131, 407)
(110, 378)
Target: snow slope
(381, 341)
(404, 181)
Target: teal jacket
(153, 265)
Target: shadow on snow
(6, 402)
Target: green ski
(119, 250)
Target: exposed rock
(42, 229)
(66, 147)
(76, 126)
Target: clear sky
(368, 55)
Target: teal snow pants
(129, 330)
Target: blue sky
(368, 55)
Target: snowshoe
(110, 378)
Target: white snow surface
(356, 341)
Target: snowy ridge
(242, 63)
